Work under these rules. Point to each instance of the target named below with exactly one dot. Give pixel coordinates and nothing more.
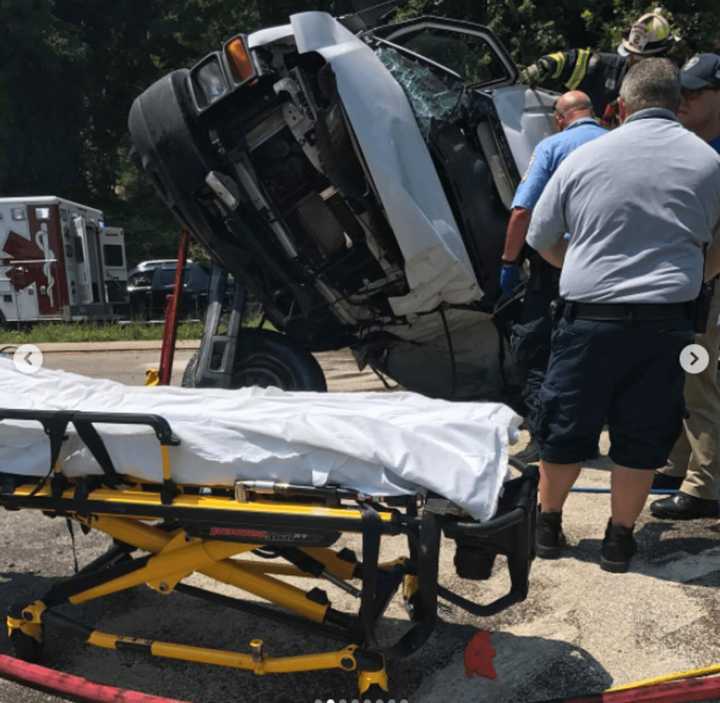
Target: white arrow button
(694, 358)
(28, 359)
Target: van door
(114, 264)
(95, 267)
(72, 272)
(32, 266)
(466, 50)
(21, 300)
(84, 287)
(512, 118)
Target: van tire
(266, 358)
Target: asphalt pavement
(581, 629)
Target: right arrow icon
(694, 358)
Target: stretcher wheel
(376, 694)
(25, 647)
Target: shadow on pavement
(529, 668)
(679, 552)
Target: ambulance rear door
(112, 244)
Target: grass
(88, 332)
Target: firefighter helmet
(649, 36)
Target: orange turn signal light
(239, 60)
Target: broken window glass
(431, 96)
(468, 54)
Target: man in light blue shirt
(574, 118)
(641, 204)
(531, 336)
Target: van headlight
(209, 82)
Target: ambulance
(58, 262)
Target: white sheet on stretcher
(378, 443)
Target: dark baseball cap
(701, 71)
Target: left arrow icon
(28, 359)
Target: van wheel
(266, 359)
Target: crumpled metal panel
(437, 265)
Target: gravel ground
(580, 630)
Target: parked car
(150, 282)
(360, 185)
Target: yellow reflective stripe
(102, 639)
(659, 27)
(559, 58)
(165, 454)
(139, 499)
(581, 66)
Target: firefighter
(600, 74)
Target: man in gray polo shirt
(640, 205)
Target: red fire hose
(69, 687)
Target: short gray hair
(652, 82)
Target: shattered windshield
(431, 95)
(466, 53)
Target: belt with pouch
(609, 312)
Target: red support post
(167, 353)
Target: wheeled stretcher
(250, 535)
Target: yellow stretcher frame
(174, 555)
(181, 530)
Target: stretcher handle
(476, 529)
(41, 416)
(511, 533)
(54, 425)
(85, 424)
(159, 424)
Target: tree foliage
(69, 70)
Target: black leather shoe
(682, 506)
(665, 482)
(549, 538)
(618, 548)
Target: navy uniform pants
(530, 338)
(625, 373)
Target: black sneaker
(549, 538)
(618, 548)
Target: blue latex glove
(509, 278)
